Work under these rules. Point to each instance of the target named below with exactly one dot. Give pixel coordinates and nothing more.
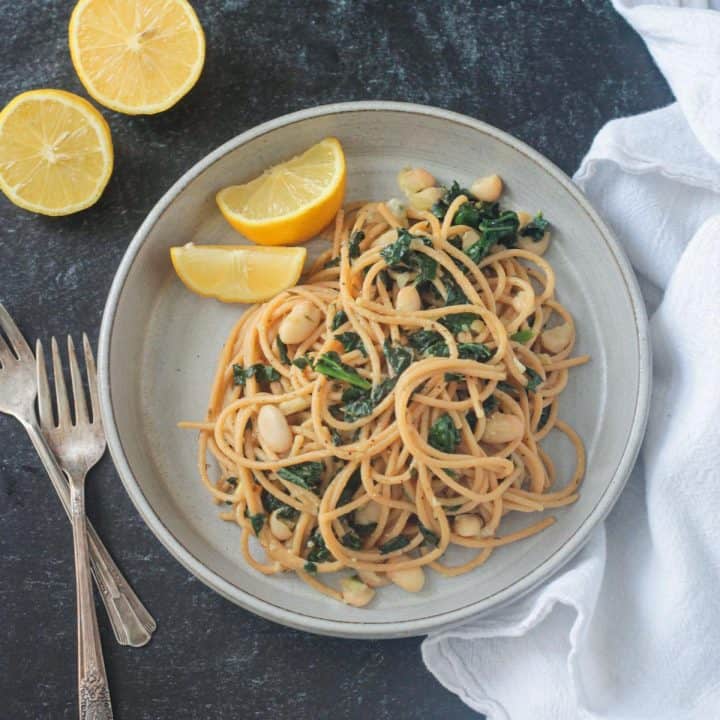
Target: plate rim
(375, 629)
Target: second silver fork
(78, 443)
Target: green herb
(310, 567)
(490, 405)
(333, 262)
(457, 322)
(318, 549)
(471, 419)
(351, 341)
(351, 487)
(479, 249)
(339, 319)
(398, 357)
(307, 475)
(443, 435)
(282, 351)
(257, 521)
(302, 362)
(536, 228)
(534, 380)
(430, 538)
(544, 416)
(399, 541)
(329, 364)
(351, 539)
(354, 245)
(400, 255)
(263, 373)
(467, 214)
(363, 530)
(336, 437)
(522, 336)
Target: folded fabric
(630, 629)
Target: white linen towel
(630, 629)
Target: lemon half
(56, 154)
(136, 56)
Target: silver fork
(78, 443)
(131, 622)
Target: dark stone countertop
(551, 73)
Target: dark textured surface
(551, 76)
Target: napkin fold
(630, 628)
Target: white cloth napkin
(630, 629)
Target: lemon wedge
(291, 202)
(56, 153)
(238, 273)
(136, 56)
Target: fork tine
(91, 378)
(63, 406)
(18, 342)
(44, 401)
(6, 356)
(81, 414)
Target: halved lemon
(238, 273)
(56, 153)
(291, 202)
(136, 56)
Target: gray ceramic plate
(159, 345)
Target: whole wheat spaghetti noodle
(424, 359)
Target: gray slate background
(551, 73)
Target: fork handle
(93, 690)
(132, 624)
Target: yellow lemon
(291, 202)
(56, 154)
(238, 273)
(136, 56)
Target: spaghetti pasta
(416, 371)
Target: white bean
(397, 208)
(373, 579)
(274, 430)
(502, 428)
(468, 525)
(367, 514)
(469, 237)
(556, 339)
(278, 527)
(487, 189)
(412, 180)
(408, 300)
(425, 199)
(299, 323)
(410, 580)
(539, 247)
(355, 592)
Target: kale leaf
(307, 475)
(398, 357)
(443, 435)
(396, 543)
(263, 373)
(339, 319)
(282, 351)
(351, 341)
(330, 365)
(354, 245)
(536, 228)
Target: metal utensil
(132, 624)
(78, 442)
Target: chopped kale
(336, 437)
(430, 538)
(351, 487)
(282, 351)
(318, 549)
(455, 295)
(544, 416)
(457, 322)
(263, 373)
(396, 543)
(506, 387)
(479, 249)
(400, 256)
(534, 380)
(339, 319)
(421, 340)
(351, 341)
(302, 362)
(329, 364)
(522, 336)
(256, 521)
(501, 230)
(310, 567)
(363, 530)
(536, 228)
(398, 357)
(443, 435)
(333, 262)
(351, 540)
(467, 214)
(354, 245)
(307, 475)
(490, 405)
(471, 419)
